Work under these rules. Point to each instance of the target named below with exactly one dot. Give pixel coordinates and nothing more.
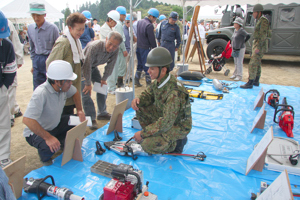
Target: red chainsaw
(273, 98)
(286, 118)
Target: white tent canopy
(225, 2)
(17, 11)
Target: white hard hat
(114, 15)
(60, 70)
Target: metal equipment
(40, 187)
(126, 182)
(133, 149)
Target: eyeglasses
(127, 22)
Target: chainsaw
(286, 118)
(273, 98)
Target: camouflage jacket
(261, 35)
(171, 101)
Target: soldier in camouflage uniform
(261, 36)
(179, 51)
(163, 109)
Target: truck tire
(215, 47)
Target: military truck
(284, 23)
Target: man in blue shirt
(145, 42)
(88, 34)
(42, 36)
(168, 33)
(8, 68)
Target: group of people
(63, 72)
(64, 67)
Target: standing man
(163, 109)
(46, 127)
(202, 34)
(18, 48)
(8, 68)
(96, 28)
(42, 36)
(88, 34)
(186, 32)
(169, 32)
(97, 53)
(126, 29)
(239, 12)
(112, 17)
(161, 19)
(120, 68)
(261, 36)
(145, 42)
(179, 51)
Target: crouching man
(163, 109)
(46, 126)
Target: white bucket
(182, 68)
(123, 94)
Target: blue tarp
(221, 129)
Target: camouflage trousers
(254, 69)
(158, 143)
(179, 51)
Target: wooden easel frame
(15, 174)
(259, 101)
(259, 120)
(115, 122)
(197, 45)
(257, 158)
(73, 142)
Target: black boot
(256, 81)
(180, 145)
(178, 58)
(120, 82)
(137, 79)
(148, 80)
(248, 85)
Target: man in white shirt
(113, 17)
(201, 29)
(96, 28)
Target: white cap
(114, 15)
(60, 70)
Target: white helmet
(60, 70)
(114, 15)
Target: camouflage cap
(37, 8)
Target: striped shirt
(95, 54)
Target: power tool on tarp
(286, 118)
(41, 188)
(133, 149)
(126, 182)
(273, 98)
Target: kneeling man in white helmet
(46, 126)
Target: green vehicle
(285, 26)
